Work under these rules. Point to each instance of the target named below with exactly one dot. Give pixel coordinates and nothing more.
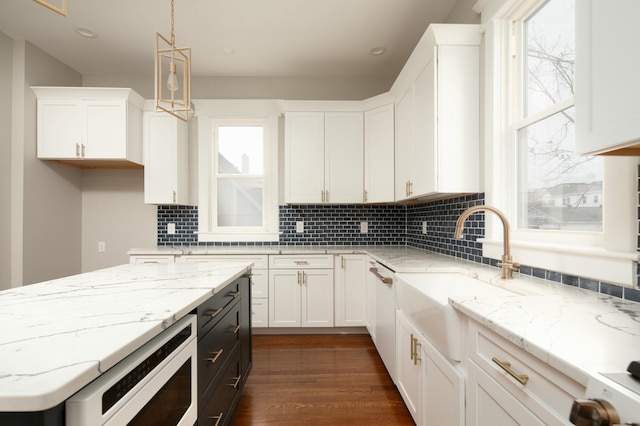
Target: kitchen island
(60, 335)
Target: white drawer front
(260, 313)
(547, 390)
(259, 284)
(259, 261)
(291, 261)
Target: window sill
(262, 237)
(598, 264)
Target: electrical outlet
(424, 227)
(171, 228)
(102, 246)
(364, 227)
(300, 227)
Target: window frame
(209, 115)
(609, 255)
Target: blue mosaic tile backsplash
(387, 225)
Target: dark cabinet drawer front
(218, 409)
(216, 347)
(210, 312)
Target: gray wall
(52, 192)
(6, 63)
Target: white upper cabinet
(166, 159)
(344, 157)
(607, 70)
(378, 155)
(90, 127)
(324, 157)
(437, 115)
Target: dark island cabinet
(224, 351)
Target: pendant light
(172, 76)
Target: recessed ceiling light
(228, 50)
(85, 32)
(377, 50)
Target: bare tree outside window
(554, 183)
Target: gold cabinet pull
(217, 418)
(174, 196)
(506, 366)
(236, 328)
(301, 262)
(412, 350)
(215, 357)
(342, 262)
(299, 280)
(416, 355)
(304, 278)
(235, 384)
(78, 150)
(322, 195)
(234, 294)
(82, 150)
(214, 312)
(365, 196)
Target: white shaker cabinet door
(607, 71)
(350, 291)
(404, 145)
(106, 130)
(317, 298)
(378, 155)
(285, 289)
(304, 157)
(344, 157)
(59, 129)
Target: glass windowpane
(240, 202)
(550, 55)
(558, 189)
(240, 150)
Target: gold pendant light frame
(62, 10)
(171, 59)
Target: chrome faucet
(508, 265)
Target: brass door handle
(235, 384)
(506, 366)
(216, 356)
(217, 418)
(214, 312)
(234, 294)
(236, 328)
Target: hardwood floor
(319, 380)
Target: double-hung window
(553, 182)
(237, 171)
(569, 214)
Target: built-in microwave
(154, 385)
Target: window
(568, 214)
(239, 176)
(237, 173)
(547, 164)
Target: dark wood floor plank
(319, 380)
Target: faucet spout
(507, 264)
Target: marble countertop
(577, 331)
(59, 335)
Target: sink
(425, 299)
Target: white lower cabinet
(350, 310)
(431, 386)
(301, 291)
(521, 391)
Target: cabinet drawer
(259, 284)
(151, 259)
(260, 312)
(215, 347)
(210, 312)
(259, 261)
(217, 409)
(291, 261)
(547, 392)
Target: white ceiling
(269, 38)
